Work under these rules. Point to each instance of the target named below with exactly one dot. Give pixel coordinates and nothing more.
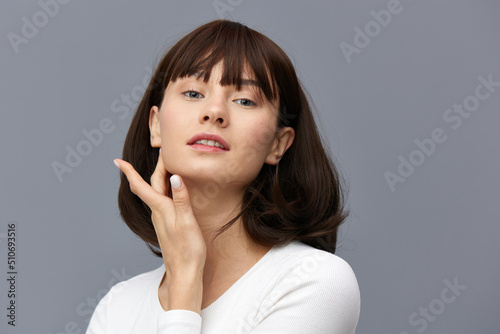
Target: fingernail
(175, 181)
(116, 163)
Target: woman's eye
(245, 102)
(192, 94)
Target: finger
(159, 178)
(186, 222)
(138, 186)
(180, 197)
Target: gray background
(441, 224)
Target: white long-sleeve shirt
(292, 289)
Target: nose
(215, 111)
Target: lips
(209, 139)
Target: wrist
(185, 294)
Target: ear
(284, 139)
(154, 127)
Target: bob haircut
(299, 198)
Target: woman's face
(209, 132)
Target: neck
(213, 206)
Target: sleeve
(316, 296)
(179, 322)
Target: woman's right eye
(192, 94)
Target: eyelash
(193, 91)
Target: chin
(211, 173)
(190, 173)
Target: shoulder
(305, 260)
(130, 292)
(318, 286)
(121, 307)
(137, 285)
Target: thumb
(180, 195)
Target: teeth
(209, 143)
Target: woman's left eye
(192, 94)
(245, 102)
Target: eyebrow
(244, 82)
(250, 82)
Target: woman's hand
(179, 235)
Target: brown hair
(301, 197)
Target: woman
(243, 203)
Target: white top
(292, 289)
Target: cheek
(262, 135)
(259, 140)
(171, 138)
(167, 118)
(171, 124)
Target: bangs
(241, 50)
